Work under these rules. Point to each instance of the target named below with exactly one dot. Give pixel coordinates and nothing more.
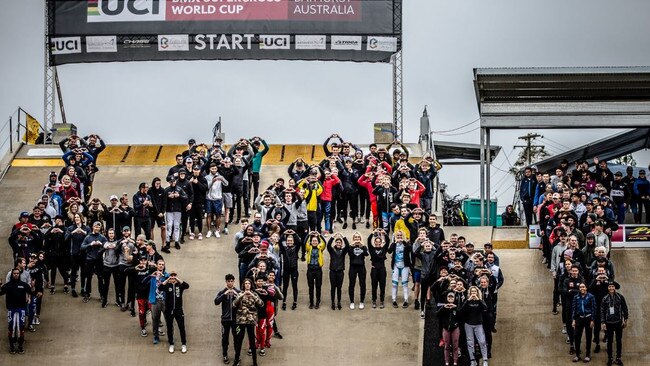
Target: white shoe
(351, 306)
(192, 236)
(216, 234)
(225, 230)
(171, 348)
(200, 237)
(485, 363)
(183, 349)
(362, 306)
(564, 329)
(209, 234)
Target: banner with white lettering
(142, 30)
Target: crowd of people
(296, 222)
(577, 212)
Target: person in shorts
(214, 200)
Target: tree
(627, 160)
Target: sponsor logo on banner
(65, 45)
(346, 43)
(384, 44)
(126, 10)
(311, 42)
(101, 44)
(173, 42)
(138, 42)
(274, 42)
(637, 233)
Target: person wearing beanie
(614, 318)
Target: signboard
(631, 236)
(139, 30)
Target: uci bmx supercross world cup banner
(140, 30)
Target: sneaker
(184, 347)
(554, 312)
(66, 289)
(294, 306)
(143, 332)
(192, 236)
(568, 341)
(619, 362)
(422, 315)
(236, 363)
(405, 304)
(368, 225)
(345, 225)
(31, 328)
(216, 234)
(374, 304)
(74, 293)
(317, 305)
(171, 348)
(361, 220)
(284, 306)
(200, 236)
(225, 230)
(572, 350)
(226, 360)
(416, 304)
(156, 340)
(209, 233)
(52, 290)
(576, 359)
(564, 329)
(351, 306)
(485, 363)
(381, 305)
(338, 306)
(250, 352)
(12, 349)
(177, 245)
(586, 359)
(597, 348)
(21, 350)
(354, 226)
(133, 313)
(311, 306)
(161, 332)
(262, 352)
(86, 298)
(395, 304)
(362, 306)
(165, 248)
(333, 306)
(277, 335)
(36, 321)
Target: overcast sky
(303, 102)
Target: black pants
(528, 211)
(315, 281)
(246, 197)
(614, 329)
(239, 339)
(351, 200)
(488, 325)
(60, 263)
(302, 228)
(290, 274)
(336, 284)
(364, 203)
(185, 218)
(255, 182)
(425, 284)
(142, 223)
(93, 267)
(582, 325)
(227, 327)
(236, 205)
(357, 271)
(596, 331)
(566, 317)
(125, 276)
(76, 264)
(107, 272)
(312, 220)
(170, 316)
(196, 217)
(556, 292)
(378, 279)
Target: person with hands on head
(378, 250)
(289, 252)
(256, 162)
(450, 323)
(157, 298)
(338, 252)
(400, 263)
(226, 299)
(214, 200)
(358, 252)
(314, 246)
(142, 274)
(472, 311)
(174, 288)
(247, 302)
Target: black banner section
(142, 30)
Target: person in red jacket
(326, 198)
(365, 181)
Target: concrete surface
(73, 333)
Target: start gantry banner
(142, 30)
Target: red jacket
(365, 183)
(328, 185)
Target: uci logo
(65, 45)
(126, 10)
(275, 42)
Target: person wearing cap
(128, 253)
(175, 201)
(142, 207)
(141, 275)
(191, 148)
(621, 196)
(641, 190)
(174, 287)
(613, 316)
(93, 245)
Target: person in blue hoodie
(641, 190)
(157, 298)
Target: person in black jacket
(142, 207)
(174, 287)
(378, 250)
(174, 202)
(184, 183)
(75, 235)
(226, 298)
(157, 194)
(472, 312)
(613, 316)
(141, 274)
(337, 252)
(358, 252)
(289, 253)
(199, 189)
(57, 256)
(450, 325)
(18, 294)
(349, 177)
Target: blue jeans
(620, 214)
(326, 208)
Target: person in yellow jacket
(314, 247)
(313, 189)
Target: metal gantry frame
(49, 95)
(396, 60)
